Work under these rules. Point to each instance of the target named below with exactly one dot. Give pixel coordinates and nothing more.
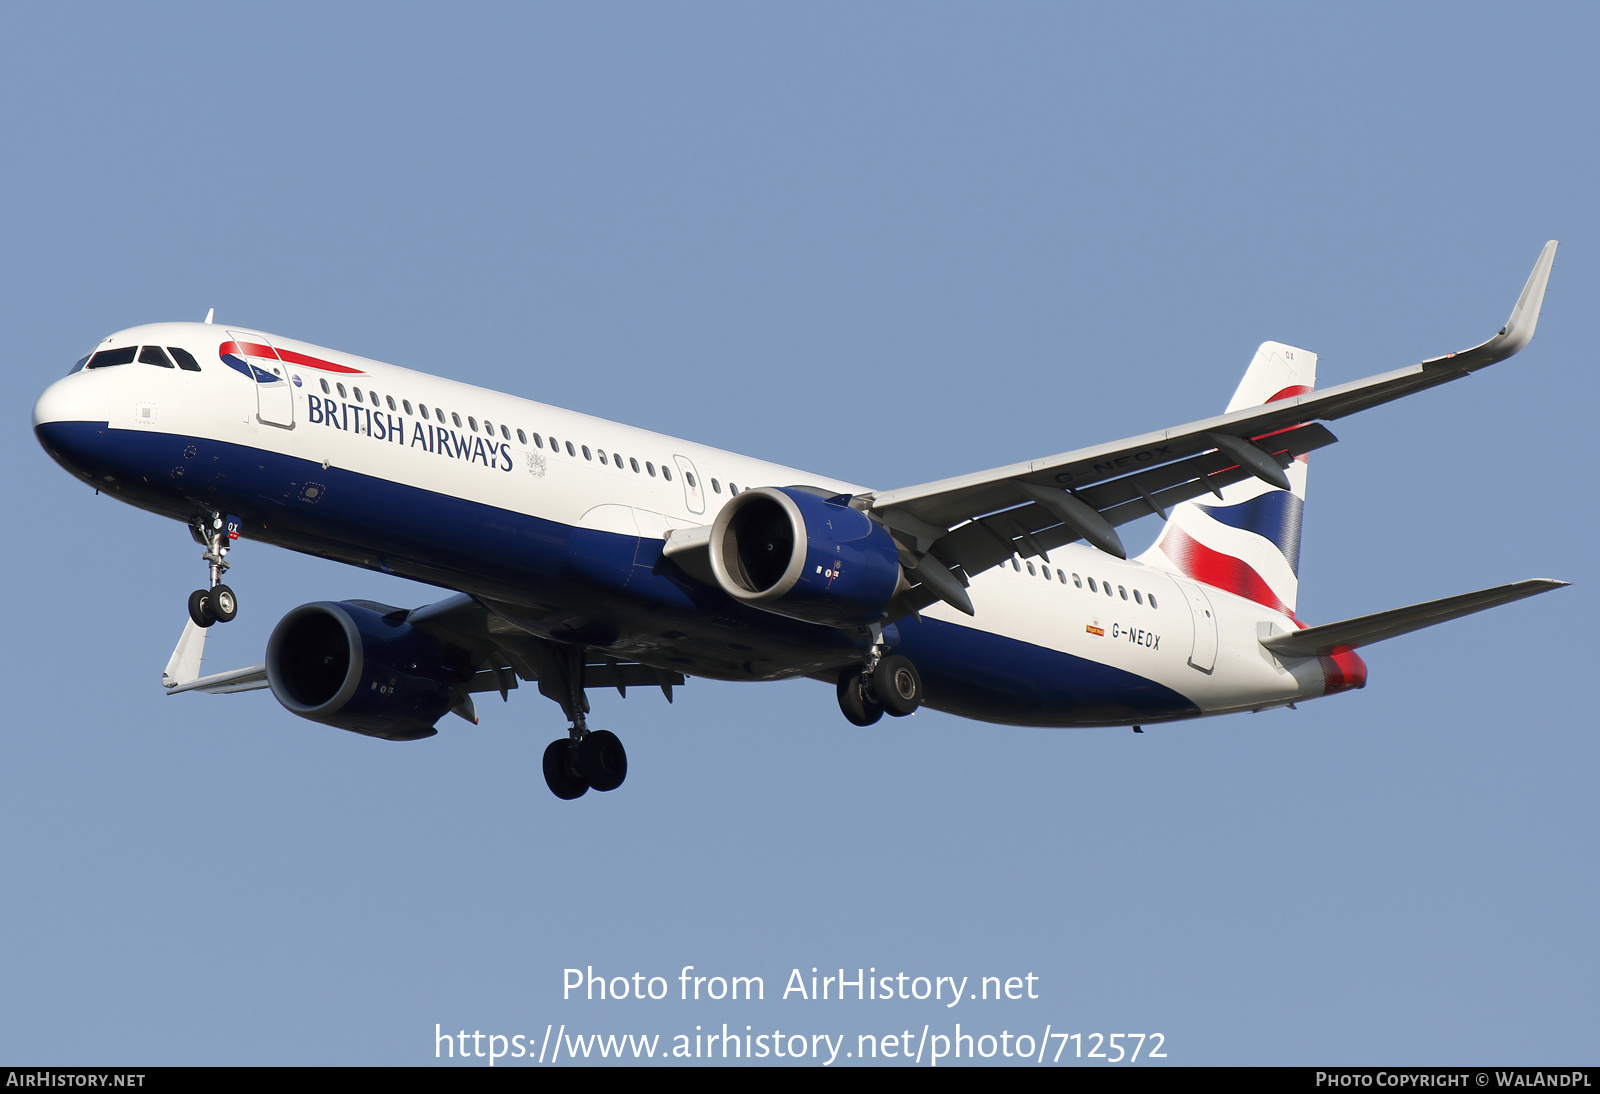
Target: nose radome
(75, 398)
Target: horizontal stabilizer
(253, 678)
(1367, 629)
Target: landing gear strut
(216, 604)
(585, 759)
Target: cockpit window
(184, 358)
(154, 355)
(79, 366)
(108, 357)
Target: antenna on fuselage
(209, 313)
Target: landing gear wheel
(200, 608)
(858, 708)
(898, 687)
(224, 605)
(602, 760)
(563, 782)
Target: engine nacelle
(347, 665)
(792, 552)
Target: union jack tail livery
(1247, 542)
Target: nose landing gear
(216, 604)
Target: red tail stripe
(1218, 570)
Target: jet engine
(796, 553)
(349, 665)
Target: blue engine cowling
(790, 551)
(348, 665)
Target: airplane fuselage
(557, 520)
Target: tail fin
(1248, 541)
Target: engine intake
(790, 551)
(348, 665)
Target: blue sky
(888, 243)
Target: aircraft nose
(75, 398)
(69, 421)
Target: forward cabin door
(274, 392)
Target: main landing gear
(216, 604)
(586, 759)
(884, 685)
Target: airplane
(581, 553)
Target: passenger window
(184, 358)
(616, 459)
(1093, 588)
(390, 400)
(1061, 576)
(522, 438)
(538, 441)
(716, 487)
(407, 404)
(505, 434)
(586, 453)
(1031, 571)
(154, 355)
(1123, 591)
(570, 451)
(1015, 566)
(688, 477)
(666, 473)
(650, 468)
(1078, 581)
(473, 422)
(1152, 600)
(1137, 598)
(633, 463)
(733, 490)
(108, 357)
(342, 395)
(326, 390)
(488, 427)
(1107, 586)
(358, 393)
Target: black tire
(897, 686)
(563, 782)
(857, 706)
(602, 760)
(200, 608)
(224, 605)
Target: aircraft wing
(972, 522)
(1367, 629)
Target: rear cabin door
(1204, 654)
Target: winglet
(184, 665)
(1517, 332)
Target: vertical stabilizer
(1248, 542)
